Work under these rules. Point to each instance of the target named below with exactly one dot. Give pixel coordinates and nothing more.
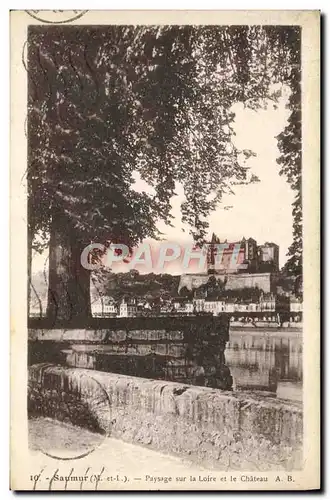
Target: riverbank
(292, 332)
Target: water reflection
(266, 360)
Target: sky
(261, 210)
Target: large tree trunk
(69, 281)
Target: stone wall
(264, 281)
(189, 350)
(216, 428)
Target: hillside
(133, 284)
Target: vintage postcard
(165, 237)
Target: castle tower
(268, 256)
(211, 254)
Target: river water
(266, 360)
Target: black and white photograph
(164, 250)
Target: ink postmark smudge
(76, 426)
(56, 16)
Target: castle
(253, 265)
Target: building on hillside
(104, 307)
(127, 308)
(183, 305)
(166, 307)
(178, 302)
(296, 309)
(253, 307)
(241, 307)
(214, 306)
(194, 280)
(270, 302)
(229, 307)
(296, 304)
(199, 304)
(189, 307)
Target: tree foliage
(105, 101)
(290, 160)
(185, 292)
(241, 295)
